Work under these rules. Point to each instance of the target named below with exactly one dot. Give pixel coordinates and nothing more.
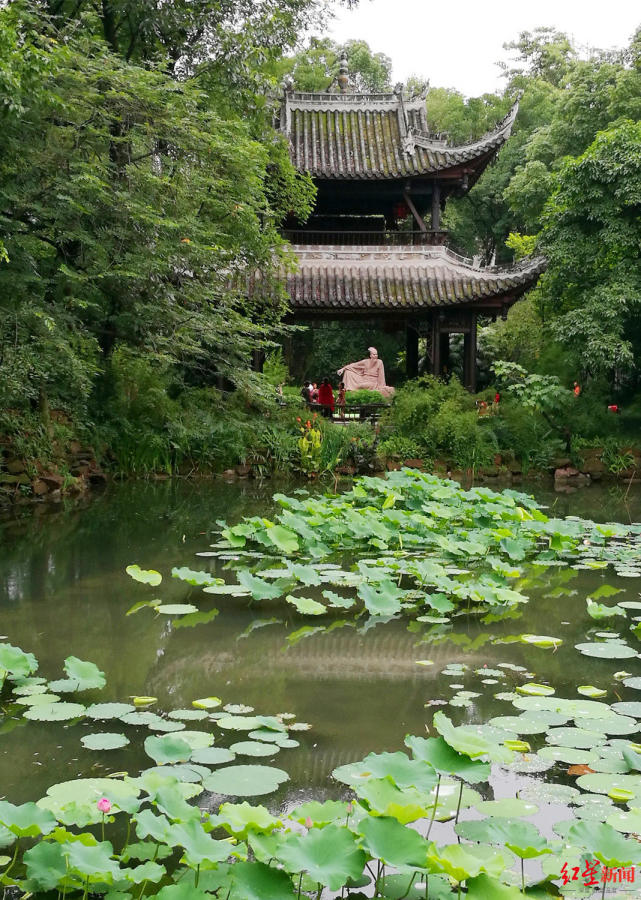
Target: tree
(591, 236)
(316, 67)
(132, 213)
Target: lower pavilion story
(427, 291)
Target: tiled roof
(357, 136)
(385, 279)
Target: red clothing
(326, 396)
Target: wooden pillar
(411, 350)
(444, 354)
(469, 356)
(258, 360)
(436, 206)
(436, 344)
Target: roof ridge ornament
(343, 75)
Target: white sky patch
(458, 43)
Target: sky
(457, 43)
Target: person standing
(326, 398)
(576, 388)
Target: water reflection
(63, 590)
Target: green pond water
(64, 591)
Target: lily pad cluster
(416, 543)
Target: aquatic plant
(389, 833)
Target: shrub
(400, 447)
(362, 397)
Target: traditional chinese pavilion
(378, 169)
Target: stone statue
(368, 374)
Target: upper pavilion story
(373, 155)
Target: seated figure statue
(368, 373)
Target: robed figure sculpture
(368, 373)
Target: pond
(361, 683)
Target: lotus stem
(300, 881)
(458, 807)
(409, 887)
(13, 859)
(438, 788)
(319, 891)
(522, 875)
(197, 878)
(604, 881)
(86, 891)
(102, 826)
(128, 834)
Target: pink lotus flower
(104, 805)
(308, 822)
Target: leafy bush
(441, 419)
(400, 447)
(363, 396)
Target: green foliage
(316, 67)
(442, 419)
(362, 397)
(400, 447)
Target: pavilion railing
(366, 238)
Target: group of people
(367, 373)
(323, 395)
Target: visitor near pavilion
(368, 374)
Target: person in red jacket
(326, 398)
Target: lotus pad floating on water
(245, 781)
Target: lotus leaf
(201, 579)
(254, 748)
(212, 756)
(168, 749)
(633, 683)
(92, 862)
(74, 802)
(240, 819)
(330, 855)
(394, 844)
(257, 881)
(145, 576)
(148, 872)
(385, 799)
(465, 740)
(306, 605)
(38, 700)
(570, 755)
(522, 838)
(614, 724)
(321, 814)
(520, 724)
(575, 737)
(541, 640)
(588, 690)
(142, 718)
(402, 771)
(606, 650)
(16, 662)
(206, 702)
(627, 822)
(46, 866)
(535, 690)
(182, 892)
(245, 781)
(508, 807)
(27, 820)
(176, 609)
(546, 792)
(605, 784)
(445, 759)
(239, 723)
(150, 825)
(109, 710)
(55, 712)
(104, 741)
(605, 843)
(189, 715)
(483, 887)
(464, 862)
